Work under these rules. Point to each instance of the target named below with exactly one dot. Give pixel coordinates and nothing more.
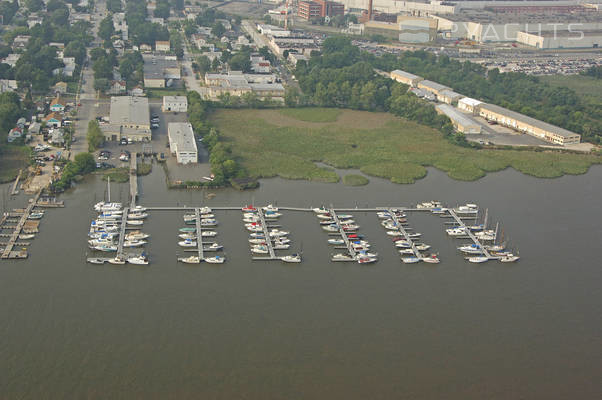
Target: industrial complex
(182, 142)
(129, 118)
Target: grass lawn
(12, 159)
(585, 86)
(160, 92)
(312, 114)
(269, 143)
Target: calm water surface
(261, 330)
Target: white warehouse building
(182, 143)
(175, 104)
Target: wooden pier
(199, 233)
(15, 189)
(268, 239)
(404, 232)
(8, 253)
(133, 179)
(124, 220)
(343, 234)
(471, 235)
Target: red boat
(249, 209)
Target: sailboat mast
(109, 189)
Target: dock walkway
(133, 179)
(8, 249)
(470, 234)
(343, 234)
(266, 234)
(199, 235)
(15, 190)
(404, 232)
(124, 221)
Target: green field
(585, 86)
(312, 114)
(269, 143)
(12, 159)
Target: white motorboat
(496, 247)
(407, 251)
(205, 210)
(402, 244)
(215, 260)
(270, 207)
(257, 235)
(208, 222)
(327, 222)
(102, 206)
(190, 236)
(255, 228)
(366, 253)
(343, 217)
(393, 233)
(341, 257)
(135, 222)
(383, 214)
(95, 260)
(485, 235)
(138, 260)
(439, 210)
(189, 217)
(208, 233)
(251, 220)
(350, 227)
(26, 236)
(422, 246)
(134, 243)
(213, 247)
(107, 248)
(331, 228)
(117, 260)
(320, 210)
(272, 215)
(259, 249)
(108, 214)
(366, 260)
(281, 246)
(468, 209)
(278, 233)
(257, 241)
(281, 240)
(190, 260)
(138, 209)
(477, 259)
(100, 242)
(136, 235)
(324, 216)
(336, 241)
(293, 258)
(414, 235)
(250, 215)
(431, 259)
(456, 231)
(410, 260)
(429, 204)
(471, 249)
(187, 243)
(508, 258)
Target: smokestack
(369, 10)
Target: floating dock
(404, 232)
(199, 233)
(8, 252)
(471, 235)
(133, 179)
(343, 234)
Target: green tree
(218, 30)
(105, 29)
(95, 137)
(84, 162)
(34, 5)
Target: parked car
(123, 141)
(154, 126)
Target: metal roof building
(130, 111)
(433, 87)
(405, 77)
(525, 124)
(182, 142)
(461, 122)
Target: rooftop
(455, 116)
(129, 110)
(528, 120)
(405, 74)
(175, 99)
(433, 85)
(155, 66)
(182, 136)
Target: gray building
(129, 118)
(460, 121)
(159, 70)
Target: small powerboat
(215, 260)
(293, 258)
(190, 260)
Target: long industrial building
(182, 143)
(461, 122)
(528, 125)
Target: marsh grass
(397, 149)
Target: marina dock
(199, 233)
(404, 232)
(133, 179)
(268, 239)
(8, 252)
(124, 221)
(343, 234)
(471, 235)
(15, 189)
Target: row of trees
(224, 167)
(140, 31)
(95, 137)
(10, 112)
(82, 164)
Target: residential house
(14, 134)
(60, 87)
(34, 128)
(145, 48)
(57, 105)
(199, 40)
(54, 119)
(162, 45)
(20, 42)
(117, 87)
(11, 59)
(57, 137)
(8, 85)
(137, 91)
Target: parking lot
(160, 145)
